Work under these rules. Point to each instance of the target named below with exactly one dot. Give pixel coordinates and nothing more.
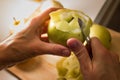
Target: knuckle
(81, 51)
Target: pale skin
(30, 42)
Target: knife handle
(89, 49)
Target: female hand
(29, 43)
(104, 65)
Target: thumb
(80, 51)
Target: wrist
(5, 55)
(2, 53)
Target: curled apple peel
(69, 68)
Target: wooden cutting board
(44, 67)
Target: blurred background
(114, 22)
(109, 15)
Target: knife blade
(87, 38)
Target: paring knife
(87, 38)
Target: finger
(39, 20)
(80, 51)
(50, 48)
(98, 50)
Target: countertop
(24, 8)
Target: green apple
(64, 25)
(69, 68)
(101, 33)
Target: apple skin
(101, 33)
(64, 25)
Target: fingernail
(66, 53)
